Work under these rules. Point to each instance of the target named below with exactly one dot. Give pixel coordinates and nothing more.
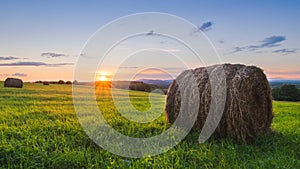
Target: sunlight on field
(39, 128)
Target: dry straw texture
(248, 106)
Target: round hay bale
(46, 83)
(13, 82)
(248, 105)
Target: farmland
(39, 129)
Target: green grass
(39, 129)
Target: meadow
(39, 129)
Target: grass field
(39, 129)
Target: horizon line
(33, 81)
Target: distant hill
(279, 83)
(160, 83)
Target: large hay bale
(13, 82)
(248, 105)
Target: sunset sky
(41, 40)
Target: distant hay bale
(46, 83)
(13, 82)
(248, 106)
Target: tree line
(286, 92)
(55, 82)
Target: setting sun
(103, 76)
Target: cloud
(285, 51)
(237, 49)
(206, 26)
(8, 58)
(150, 32)
(15, 74)
(19, 74)
(53, 55)
(4, 74)
(268, 42)
(35, 64)
(272, 41)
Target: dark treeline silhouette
(286, 92)
(129, 85)
(53, 82)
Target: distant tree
(61, 82)
(275, 93)
(75, 82)
(287, 93)
(68, 82)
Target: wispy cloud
(19, 74)
(14, 74)
(8, 58)
(35, 64)
(4, 74)
(268, 42)
(150, 33)
(221, 41)
(53, 55)
(285, 51)
(206, 26)
(272, 41)
(82, 54)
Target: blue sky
(39, 40)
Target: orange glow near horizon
(283, 74)
(107, 75)
(280, 76)
(103, 76)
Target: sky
(43, 40)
